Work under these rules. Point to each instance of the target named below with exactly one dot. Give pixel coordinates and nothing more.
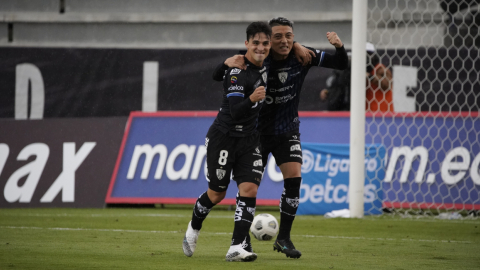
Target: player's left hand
(334, 39)
(303, 54)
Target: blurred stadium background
(82, 66)
(84, 82)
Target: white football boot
(236, 253)
(190, 240)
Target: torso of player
(280, 112)
(242, 82)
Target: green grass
(151, 239)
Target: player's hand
(303, 54)
(258, 94)
(324, 94)
(334, 39)
(237, 61)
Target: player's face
(258, 47)
(282, 40)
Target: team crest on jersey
(220, 174)
(233, 79)
(264, 77)
(293, 202)
(283, 76)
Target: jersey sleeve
(219, 72)
(235, 88)
(319, 57)
(338, 61)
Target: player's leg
(288, 155)
(218, 172)
(247, 172)
(205, 202)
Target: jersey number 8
(223, 157)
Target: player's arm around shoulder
(236, 61)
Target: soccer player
(233, 144)
(278, 120)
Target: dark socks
(202, 207)
(289, 205)
(244, 214)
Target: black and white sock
(244, 214)
(289, 205)
(202, 207)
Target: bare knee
(216, 197)
(248, 189)
(291, 170)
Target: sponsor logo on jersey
(258, 163)
(284, 99)
(283, 76)
(235, 88)
(295, 147)
(233, 79)
(239, 127)
(282, 89)
(235, 71)
(220, 174)
(268, 99)
(293, 155)
(293, 202)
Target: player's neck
(256, 63)
(277, 56)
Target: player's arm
(237, 61)
(339, 60)
(240, 106)
(303, 54)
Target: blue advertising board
(325, 178)
(432, 163)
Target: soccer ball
(264, 227)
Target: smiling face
(258, 47)
(282, 41)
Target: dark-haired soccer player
(233, 145)
(278, 120)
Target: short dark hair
(280, 21)
(258, 27)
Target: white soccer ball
(264, 227)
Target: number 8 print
(223, 157)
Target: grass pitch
(152, 239)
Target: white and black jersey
(238, 116)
